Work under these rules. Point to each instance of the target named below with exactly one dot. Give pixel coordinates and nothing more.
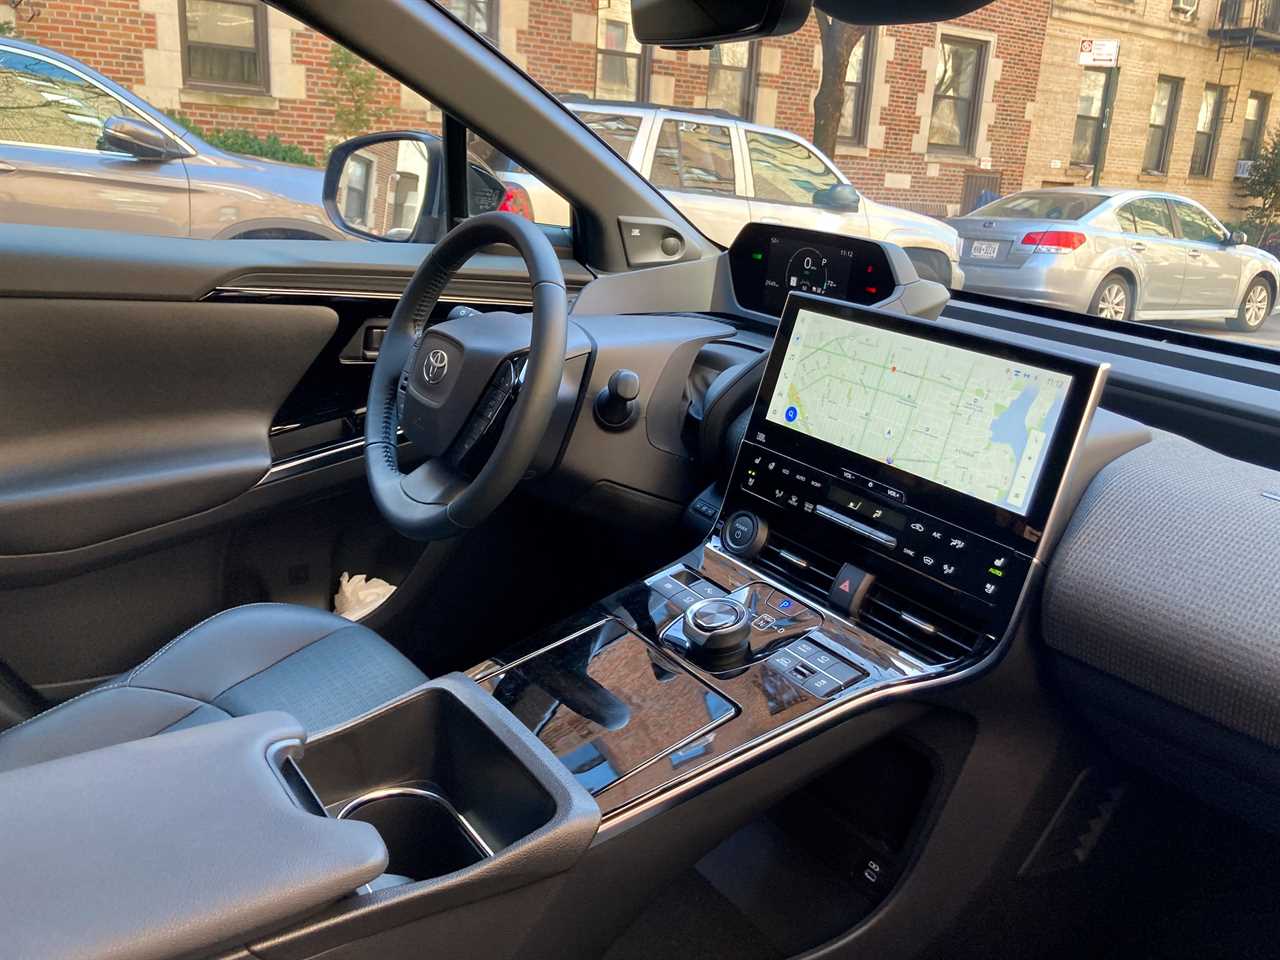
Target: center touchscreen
(976, 423)
(927, 456)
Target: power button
(743, 534)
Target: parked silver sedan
(1117, 254)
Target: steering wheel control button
(743, 534)
(849, 588)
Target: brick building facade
(1026, 112)
(1169, 53)
(286, 80)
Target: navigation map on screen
(976, 423)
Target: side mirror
(1237, 238)
(839, 197)
(387, 186)
(139, 140)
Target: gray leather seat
(263, 656)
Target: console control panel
(816, 663)
(878, 517)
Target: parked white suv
(723, 172)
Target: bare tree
(838, 42)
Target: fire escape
(1242, 28)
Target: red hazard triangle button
(848, 588)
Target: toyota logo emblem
(436, 366)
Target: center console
(893, 500)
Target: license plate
(984, 249)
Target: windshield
(1119, 160)
(1116, 162)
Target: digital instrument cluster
(769, 262)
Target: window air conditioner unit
(1242, 169)
(1185, 6)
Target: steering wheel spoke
(433, 483)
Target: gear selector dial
(717, 628)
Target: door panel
(164, 399)
(122, 416)
(113, 192)
(1213, 272)
(1155, 246)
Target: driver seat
(317, 666)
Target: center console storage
(442, 781)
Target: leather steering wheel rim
(433, 502)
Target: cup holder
(425, 836)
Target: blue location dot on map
(791, 414)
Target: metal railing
(1249, 14)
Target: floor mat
(690, 919)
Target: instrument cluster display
(770, 262)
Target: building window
(694, 156)
(1208, 122)
(357, 181)
(1160, 125)
(730, 77)
(957, 81)
(857, 90)
(1255, 129)
(480, 15)
(621, 72)
(1084, 145)
(225, 44)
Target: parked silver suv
(722, 173)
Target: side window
(45, 105)
(617, 131)
(1196, 225)
(694, 156)
(1151, 217)
(1125, 216)
(785, 170)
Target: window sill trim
(222, 97)
(955, 159)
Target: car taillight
(516, 200)
(1054, 241)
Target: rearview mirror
(386, 186)
(1237, 238)
(841, 196)
(686, 23)
(139, 140)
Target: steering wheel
(453, 385)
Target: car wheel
(1114, 298)
(1255, 307)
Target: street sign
(1099, 53)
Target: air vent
(798, 564)
(916, 629)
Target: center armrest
(170, 845)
